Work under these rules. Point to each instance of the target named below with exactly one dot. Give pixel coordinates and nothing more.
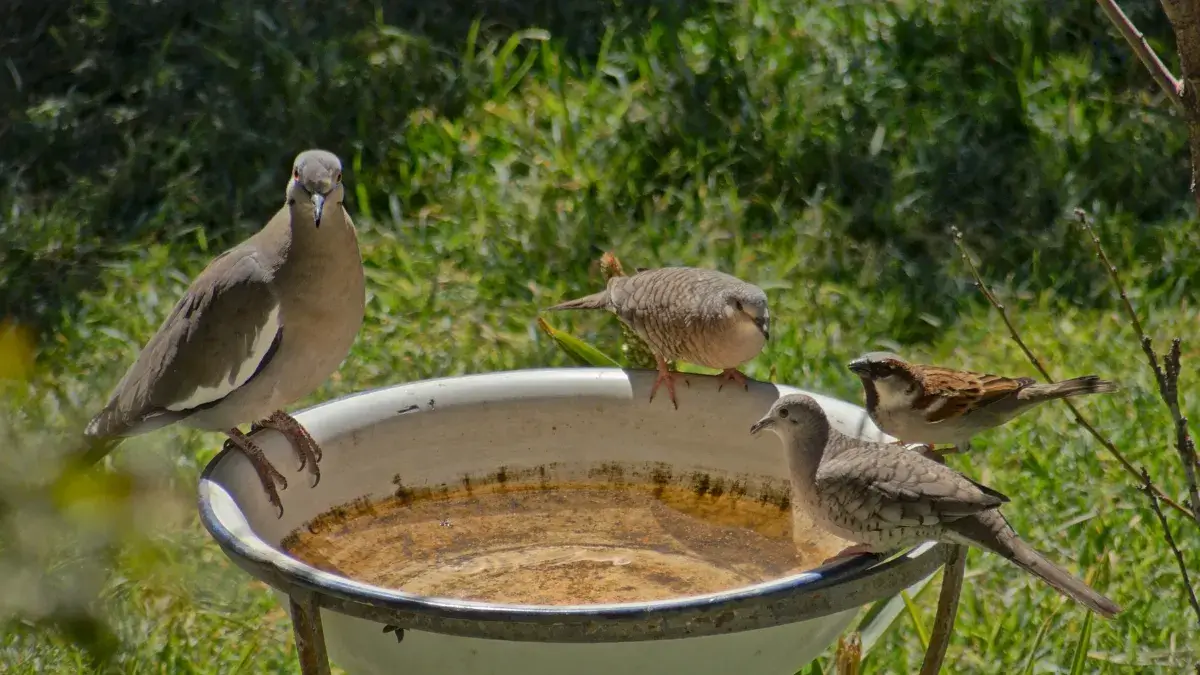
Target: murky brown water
(569, 544)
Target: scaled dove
(884, 496)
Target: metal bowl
(573, 420)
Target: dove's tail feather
(593, 301)
(990, 531)
(1070, 586)
(1088, 384)
(88, 449)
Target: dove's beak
(318, 201)
(765, 423)
(764, 325)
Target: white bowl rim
(867, 577)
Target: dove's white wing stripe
(239, 373)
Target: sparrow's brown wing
(953, 393)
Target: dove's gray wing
(880, 487)
(221, 333)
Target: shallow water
(564, 544)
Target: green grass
(821, 150)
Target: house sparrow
(931, 405)
(884, 497)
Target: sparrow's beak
(765, 423)
(764, 325)
(859, 367)
(318, 201)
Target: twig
(1147, 488)
(1168, 378)
(947, 610)
(1079, 418)
(1158, 70)
(848, 658)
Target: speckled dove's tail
(1088, 384)
(593, 301)
(989, 530)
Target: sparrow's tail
(990, 531)
(1088, 384)
(593, 301)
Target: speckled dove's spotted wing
(671, 307)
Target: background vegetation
(493, 150)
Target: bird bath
(548, 521)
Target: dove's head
(792, 414)
(748, 303)
(316, 178)
(804, 430)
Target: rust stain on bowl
(621, 533)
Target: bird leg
(665, 375)
(305, 445)
(926, 449)
(940, 455)
(735, 375)
(267, 473)
(856, 549)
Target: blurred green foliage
(495, 148)
(157, 121)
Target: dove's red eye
(296, 174)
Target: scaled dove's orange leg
(665, 376)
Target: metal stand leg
(947, 610)
(310, 638)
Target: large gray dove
(260, 328)
(884, 496)
(696, 315)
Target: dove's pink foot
(735, 375)
(847, 552)
(304, 444)
(665, 376)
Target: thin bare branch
(848, 658)
(1148, 489)
(1158, 70)
(1079, 418)
(947, 610)
(1167, 378)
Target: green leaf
(1081, 647)
(1037, 639)
(515, 79)
(499, 82)
(579, 351)
(922, 632)
(880, 616)
(472, 38)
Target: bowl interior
(563, 486)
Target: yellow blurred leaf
(16, 351)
